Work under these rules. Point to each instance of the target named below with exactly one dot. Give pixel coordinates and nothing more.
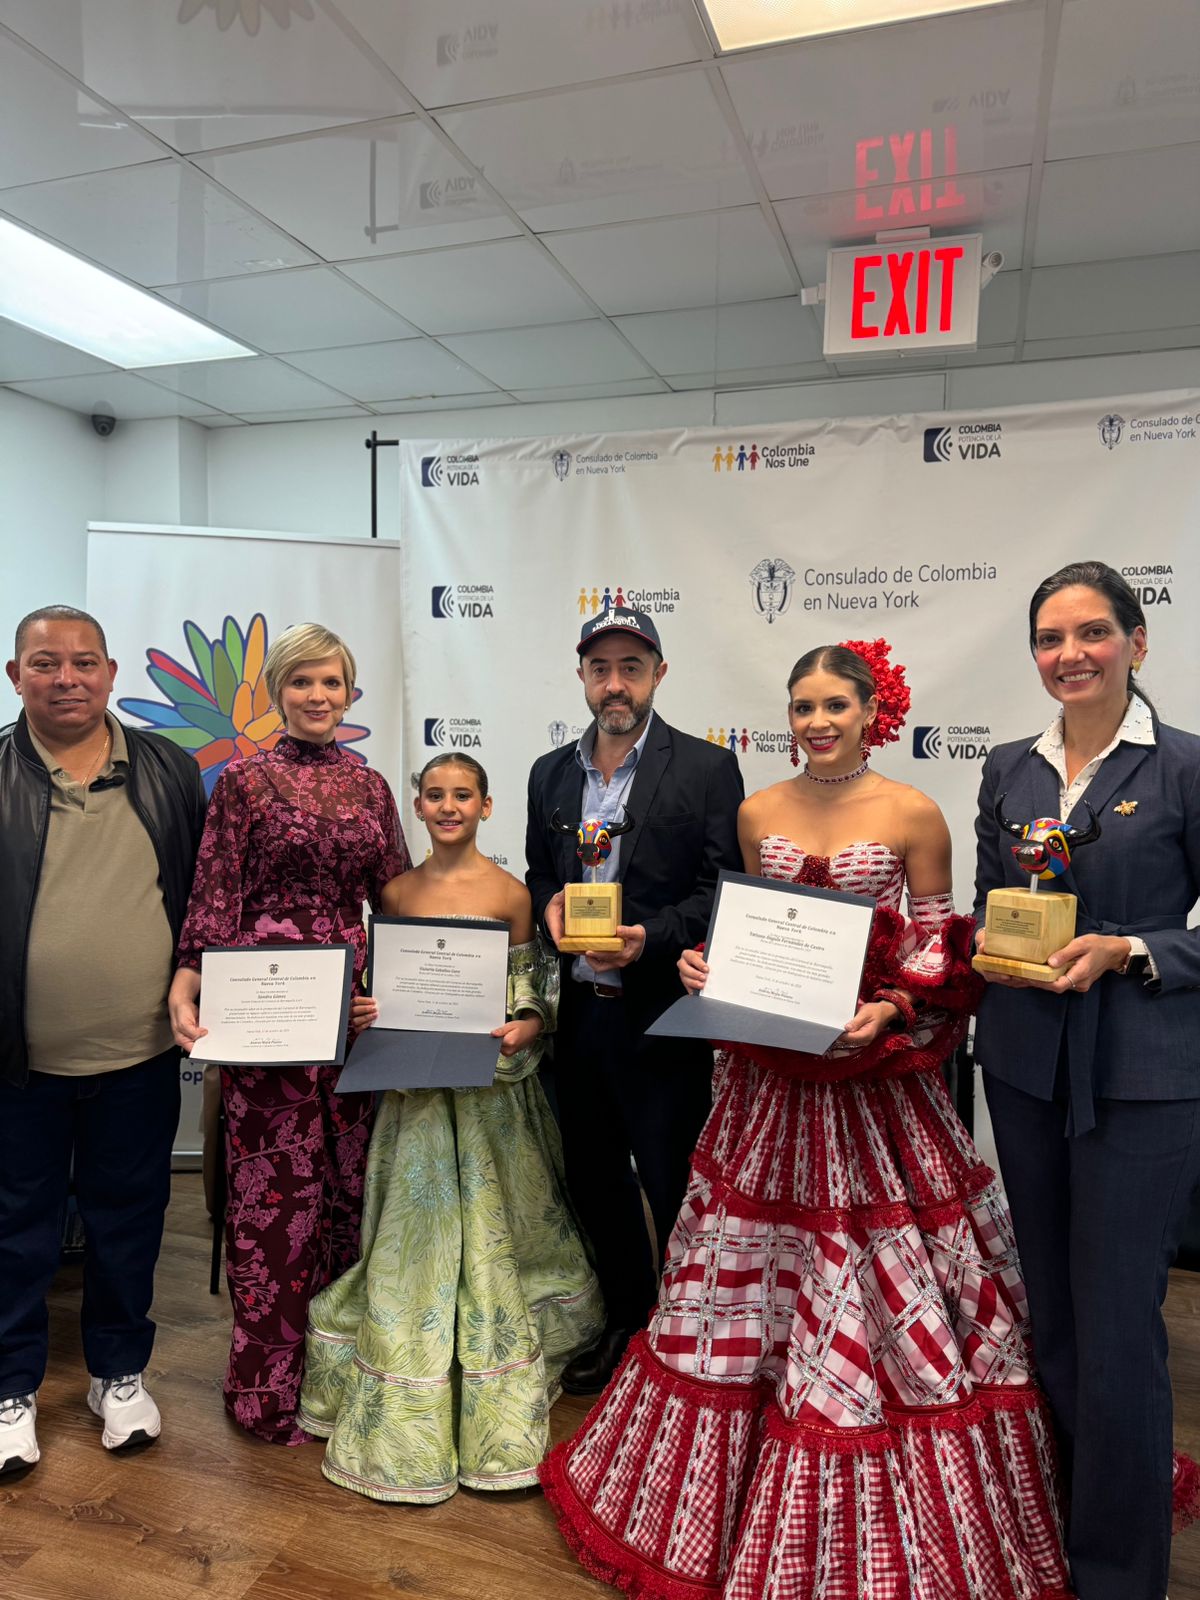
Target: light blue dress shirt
(606, 801)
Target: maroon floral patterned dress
(294, 841)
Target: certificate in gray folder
(441, 985)
(785, 965)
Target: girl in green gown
(434, 1361)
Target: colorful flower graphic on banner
(221, 711)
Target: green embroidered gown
(435, 1360)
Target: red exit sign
(919, 294)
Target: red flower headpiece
(891, 690)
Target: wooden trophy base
(1032, 971)
(591, 917)
(1023, 927)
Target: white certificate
(436, 976)
(785, 963)
(787, 949)
(275, 1005)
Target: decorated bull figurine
(591, 910)
(593, 837)
(1046, 843)
(1023, 928)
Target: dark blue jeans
(1098, 1220)
(119, 1126)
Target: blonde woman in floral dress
(434, 1361)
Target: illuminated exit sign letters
(920, 294)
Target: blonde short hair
(306, 641)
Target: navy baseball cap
(622, 619)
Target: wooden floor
(209, 1509)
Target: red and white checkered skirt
(833, 1400)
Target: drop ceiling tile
(451, 51)
(750, 377)
(395, 371)
(675, 262)
(999, 307)
(280, 311)
(458, 402)
(509, 284)
(593, 391)
(1113, 297)
(253, 383)
(845, 398)
(1138, 203)
(24, 354)
(544, 358)
(1113, 344)
(321, 414)
(993, 355)
(991, 203)
(888, 106)
(201, 75)
(49, 130)
(161, 223)
(1099, 377)
(764, 333)
(1126, 77)
(610, 153)
(364, 191)
(128, 397)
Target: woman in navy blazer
(1093, 1080)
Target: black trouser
(1098, 1220)
(622, 1095)
(120, 1127)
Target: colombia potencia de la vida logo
(958, 742)
(963, 441)
(449, 472)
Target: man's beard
(623, 715)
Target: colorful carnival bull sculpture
(593, 837)
(1046, 843)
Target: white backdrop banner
(189, 617)
(751, 545)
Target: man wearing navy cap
(620, 1093)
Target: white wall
(57, 475)
(156, 471)
(51, 481)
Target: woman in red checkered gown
(833, 1400)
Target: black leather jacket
(167, 792)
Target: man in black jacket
(619, 1092)
(99, 827)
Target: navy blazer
(684, 800)
(1122, 1040)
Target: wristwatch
(1136, 963)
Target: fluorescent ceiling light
(739, 24)
(56, 294)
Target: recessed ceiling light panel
(56, 294)
(742, 24)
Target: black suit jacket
(684, 800)
(1123, 1041)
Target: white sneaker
(18, 1441)
(127, 1411)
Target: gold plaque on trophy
(591, 917)
(1022, 927)
(591, 910)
